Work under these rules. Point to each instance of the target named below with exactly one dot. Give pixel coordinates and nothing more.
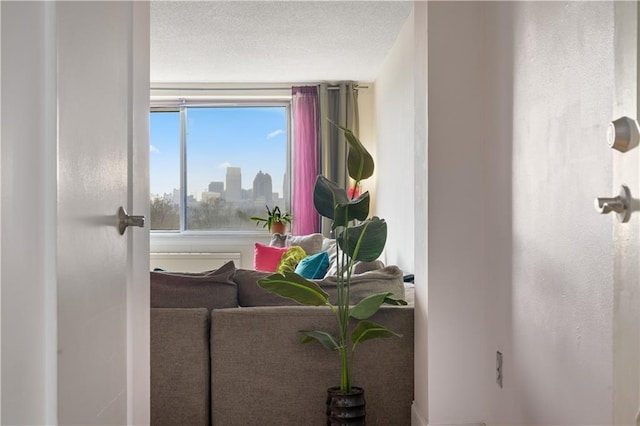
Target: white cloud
(153, 149)
(224, 165)
(275, 133)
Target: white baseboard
(457, 424)
(416, 419)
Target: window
(212, 167)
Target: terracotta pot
(345, 408)
(278, 228)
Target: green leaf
(359, 161)
(368, 306)
(367, 330)
(394, 301)
(327, 195)
(366, 240)
(353, 209)
(293, 286)
(327, 340)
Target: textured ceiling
(272, 41)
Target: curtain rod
(331, 87)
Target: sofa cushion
(251, 294)
(266, 258)
(179, 367)
(211, 290)
(388, 279)
(262, 375)
(314, 266)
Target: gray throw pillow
(278, 240)
(311, 244)
(361, 267)
(211, 289)
(388, 279)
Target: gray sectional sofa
(226, 352)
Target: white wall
(28, 376)
(401, 124)
(395, 132)
(368, 136)
(421, 159)
(241, 243)
(459, 362)
(519, 98)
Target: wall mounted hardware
(623, 134)
(499, 368)
(620, 204)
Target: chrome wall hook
(619, 204)
(125, 220)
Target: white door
(626, 236)
(102, 312)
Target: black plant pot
(345, 408)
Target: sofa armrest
(262, 375)
(180, 365)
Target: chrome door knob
(125, 220)
(623, 134)
(619, 204)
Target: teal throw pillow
(314, 266)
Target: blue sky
(252, 138)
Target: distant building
(262, 187)
(216, 187)
(234, 184)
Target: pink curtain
(305, 159)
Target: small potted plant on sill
(275, 222)
(363, 241)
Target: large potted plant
(275, 222)
(359, 238)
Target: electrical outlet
(499, 368)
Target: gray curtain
(338, 103)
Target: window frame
(180, 105)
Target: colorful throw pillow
(290, 259)
(266, 258)
(314, 266)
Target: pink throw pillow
(266, 258)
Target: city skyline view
(250, 138)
